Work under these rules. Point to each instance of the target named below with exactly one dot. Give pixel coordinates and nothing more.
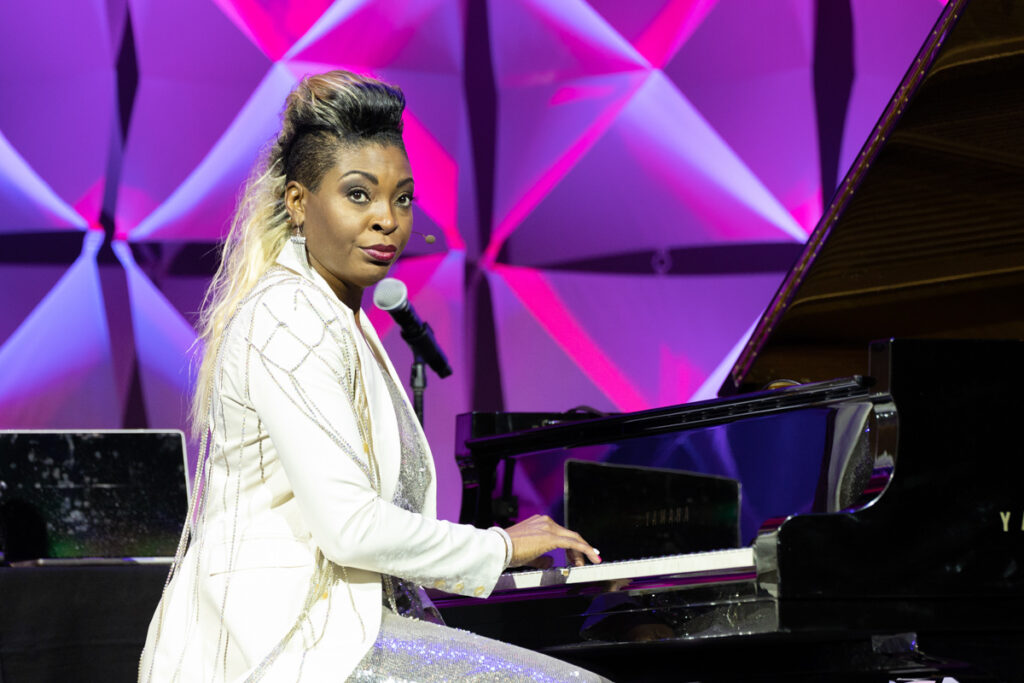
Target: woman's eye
(359, 196)
(405, 200)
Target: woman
(313, 522)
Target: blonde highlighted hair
(322, 113)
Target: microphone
(428, 238)
(391, 295)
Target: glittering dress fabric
(408, 650)
(414, 645)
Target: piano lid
(925, 235)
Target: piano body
(883, 527)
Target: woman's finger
(580, 546)
(573, 541)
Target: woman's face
(359, 220)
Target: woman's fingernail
(596, 551)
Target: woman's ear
(295, 201)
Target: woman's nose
(385, 220)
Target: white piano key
(735, 560)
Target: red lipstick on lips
(384, 253)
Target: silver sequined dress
(412, 645)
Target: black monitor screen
(91, 494)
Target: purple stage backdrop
(616, 187)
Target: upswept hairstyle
(321, 115)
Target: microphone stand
(418, 383)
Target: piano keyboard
(695, 565)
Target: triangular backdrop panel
(272, 25)
(543, 132)
(748, 69)
(656, 28)
(196, 72)
(669, 176)
(27, 202)
(420, 35)
(536, 42)
(200, 208)
(537, 373)
(641, 341)
(58, 109)
(25, 285)
(58, 365)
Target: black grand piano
(901, 551)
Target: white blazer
(289, 480)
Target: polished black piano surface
(883, 491)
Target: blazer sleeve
(303, 381)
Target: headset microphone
(429, 239)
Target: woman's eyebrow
(373, 179)
(369, 176)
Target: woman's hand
(537, 535)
